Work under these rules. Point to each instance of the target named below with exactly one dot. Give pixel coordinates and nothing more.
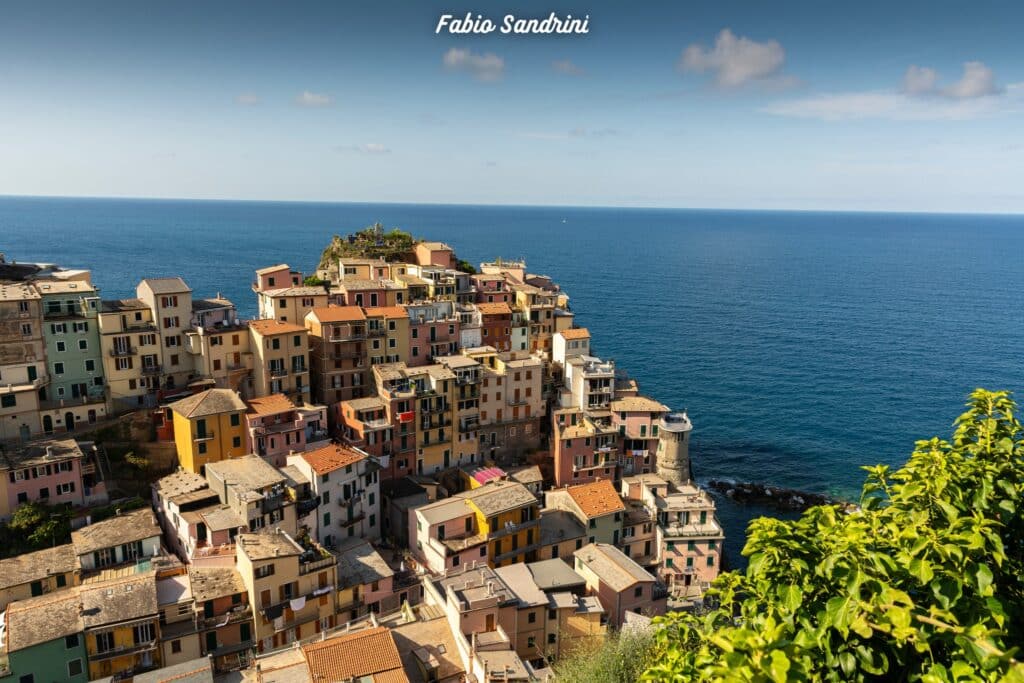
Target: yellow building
(122, 624)
(209, 427)
(291, 587)
(435, 404)
(509, 516)
(387, 331)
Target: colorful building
(337, 338)
(23, 375)
(54, 471)
(280, 359)
(44, 639)
(209, 427)
(276, 427)
(122, 625)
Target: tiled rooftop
(597, 498)
(42, 619)
(271, 327)
(29, 567)
(207, 403)
(496, 497)
(269, 405)
(332, 457)
(110, 602)
(214, 582)
(128, 527)
(366, 653)
(338, 314)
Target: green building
(76, 393)
(45, 640)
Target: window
(71, 641)
(531, 641)
(90, 365)
(297, 340)
(8, 401)
(202, 448)
(327, 497)
(712, 545)
(75, 667)
(64, 489)
(711, 560)
(236, 442)
(531, 617)
(638, 592)
(689, 562)
(61, 347)
(236, 419)
(691, 545)
(552, 614)
(551, 639)
(104, 641)
(175, 646)
(58, 368)
(264, 571)
(327, 519)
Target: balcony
(511, 529)
(353, 336)
(304, 507)
(118, 352)
(378, 423)
(236, 615)
(299, 369)
(512, 401)
(323, 562)
(376, 332)
(514, 552)
(278, 372)
(123, 651)
(204, 436)
(152, 369)
(271, 503)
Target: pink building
(435, 254)
(433, 331)
(197, 528)
(376, 587)
(619, 583)
(583, 450)
(636, 419)
(276, 427)
(54, 471)
(276, 277)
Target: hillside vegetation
(371, 242)
(924, 583)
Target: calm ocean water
(803, 344)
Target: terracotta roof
(209, 402)
(629, 404)
(370, 653)
(332, 457)
(576, 333)
(494, 309)
(265, 327)
(387, 311)
(338, 314)
(270, 405)
(596, 498)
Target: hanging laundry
(297, 603)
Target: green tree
(41, 525)
(466, 267)
(922, 582)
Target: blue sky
(804, 105)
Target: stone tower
(674, 448)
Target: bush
(622, 659)
(923, 582)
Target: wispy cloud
(735, 61)
(898, 106)
(487, 67)
(247, 99)
(367, 148)
(575, 133)
(567, 68)
(313, 99)
(919, 98)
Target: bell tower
(673, 459)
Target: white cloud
(313, 99)
(487, 67)
(566, 68)
(898, 106)
(734, 61)
(919, 80)
(367, 148)
(920, 98)
(248, 99)
(976, 81)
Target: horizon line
(621, 207)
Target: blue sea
(803, 344)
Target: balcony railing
(511, 529)
(124, 351)
(500, 557)
(123, 650)
(236, 615)
(278, 372)
(151, 369)
(205, 436)
(379, 423)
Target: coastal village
(405, 469)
